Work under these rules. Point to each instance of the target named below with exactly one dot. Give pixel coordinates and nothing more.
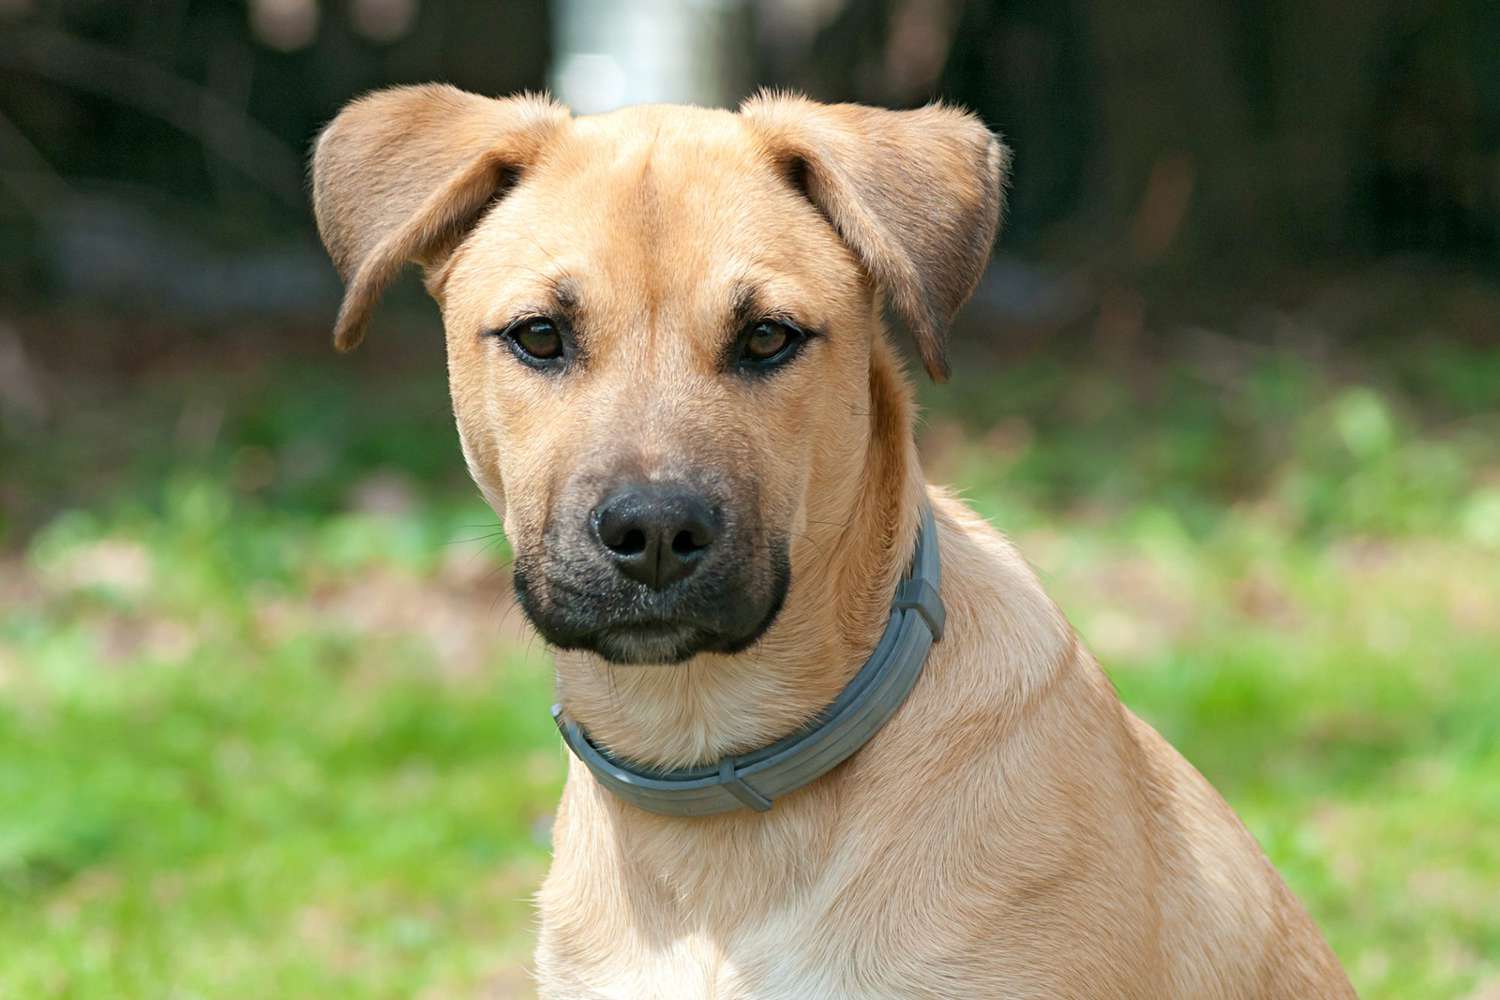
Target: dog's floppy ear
(915, 194)
(403, 174)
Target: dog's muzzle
(653, 572)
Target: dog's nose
(655, 533)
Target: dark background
(1177, 138)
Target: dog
(673, 381)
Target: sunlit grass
(269, 725)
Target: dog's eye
(769, 343)
(536, 340)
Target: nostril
(632, 543)
(687, 543)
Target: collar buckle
(731, 782)
(918, 594)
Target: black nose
(656, 533)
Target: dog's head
(660, 325)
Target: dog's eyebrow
(555, 296)
(746, 305)
(567, 300)
(565, 293)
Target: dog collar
(756, 779)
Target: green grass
(233, 767)
(269, 725)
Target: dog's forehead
(667, 133)
(659, 204)
(662, 171)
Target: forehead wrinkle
(565, 291)
(744, 303)
(649, 209)
(681, 214)
(625, 183)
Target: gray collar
(757, 778)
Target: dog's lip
(650, 641)
(649, 627)
(627, 626)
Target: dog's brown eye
(769, 343)
(536, 339)
(767, 340)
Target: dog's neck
(846, 564)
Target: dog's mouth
(663, 642)
(625, 627)
(581, 588)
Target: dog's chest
(781, 959)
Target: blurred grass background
(270, 724)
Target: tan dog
(672, 380)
